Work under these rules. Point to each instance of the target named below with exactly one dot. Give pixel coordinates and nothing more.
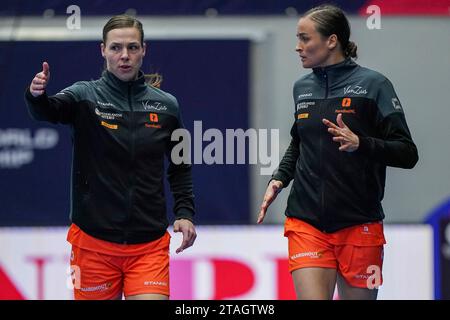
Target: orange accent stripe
(110, 126)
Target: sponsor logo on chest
(107, 115)
(346, 105)
(305, 95)
(355, 90)
(153, 121)
(152, 105)
(305, 105)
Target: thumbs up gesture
(40, 81)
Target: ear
(332, 41)
(102, 47)
(144, 48)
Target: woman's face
(123, 53)
(314, 49)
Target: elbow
(415, 160)
(412, 163)
(412, 159)
(405, 158)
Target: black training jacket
(121, 133)
(335, 189)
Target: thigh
(309, 251)
(348, 292)
(314, 283)
(360, 271)
(95, 276)
(313, 265)
(147, 275)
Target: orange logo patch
(346, 102)
(153, 117)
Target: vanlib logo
(213, 153)
(17, 145)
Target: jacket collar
(335, 72)
(136, 85)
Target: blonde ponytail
(153, 79)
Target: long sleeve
(286, 170)
(59, 108)
(396, 148)
(393, 145)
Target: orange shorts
(100, 275)
(355, 252)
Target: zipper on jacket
(322, 184)
(132, 173)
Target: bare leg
(314, 283)
(347, 292)
(148, 296)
